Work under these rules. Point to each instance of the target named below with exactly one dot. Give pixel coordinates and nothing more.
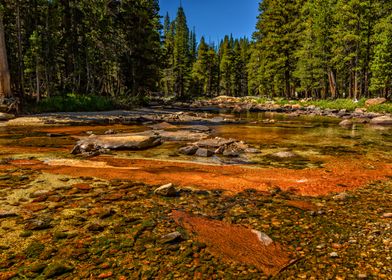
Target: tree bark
(5, 78)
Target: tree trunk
(21, 87)
(5, 78)
(332, 84)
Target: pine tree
(226, 66)
(276, 41)
(314, 69)
(382, 62)
(182, 60)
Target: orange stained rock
(339, 174)
(235, 243)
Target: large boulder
(383, 120)
(116, 142)
(375, 101)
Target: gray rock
(334, 255)
(346, 123)
(203, 152)
(215, 142)
(285, 154)
(341, 196)
(116, 142)
(163, 126)
(171, 237)
(383, 120)
(166, 190)
(181, 135)
(252, 151)
(188, 150)
(38, 224)
(231, 153)
(264, 238)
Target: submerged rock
(166, 190)
(171, 237)
(285, 154)
(203, 152)
(188, 150)
(346, 123)
(39, 224)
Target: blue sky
(213, 19)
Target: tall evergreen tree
(382, 62)
(182, 59)
(277, 40)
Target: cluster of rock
(137, 116)
(246, 104)
(217, 146)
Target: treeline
(202, 69)
(322, 49)
(92, 46)
(301, 48)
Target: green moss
(34, 249)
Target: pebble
(39, 224)
(171, 237)
(334, 255)
(341, 196)
(166, 190)
(387, 215)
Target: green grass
(337, 104)
(71, 103)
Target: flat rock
(383, 120)
(162, 126)
(116, 142)
(203, 152)
(285, 154)
(188, 150)
(346, 123)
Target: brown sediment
(339, 174)
(235, 243)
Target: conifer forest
(320, 49)
(134, 146)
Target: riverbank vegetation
(123, 50)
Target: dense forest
(124, 49)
